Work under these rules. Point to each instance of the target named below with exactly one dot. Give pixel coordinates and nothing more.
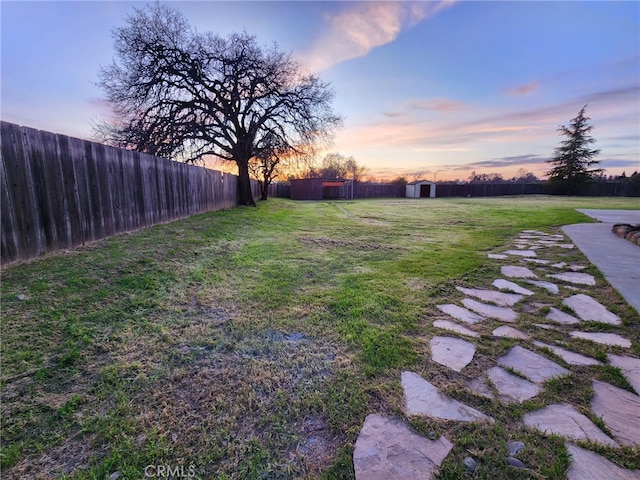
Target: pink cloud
(523, 89)
(354, 32)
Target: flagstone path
(389, 448)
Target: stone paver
(460, 313)
(548, 286)
(589, 309)
(535, 367)
(564, 420)
(422, 398)
(587, 465)
(509, 332)
(521, 253)
(454, 327)
(572, 358)
(539, 261)
(575, 277)
(630, 368)
(503, 284)
(501, 313)
(480, 386)
(559, 316)
(603, 338)
(496, 256)
(454, 353)
(510, 387)
(387, 448)
(620, 411)
(546, 327)
(499, 298)
(517, 272)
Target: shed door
(425, 191)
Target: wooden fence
(596, 189)
(59, 192)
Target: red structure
(321, 189)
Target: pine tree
(573, 158)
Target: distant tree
(336, 165)
(573, 158)
(181, 93)
(415, 176)
(522, 176)
(485, 178)
(400, 180)
(355, 171)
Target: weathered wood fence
(58, 192)
(596, 189)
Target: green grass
(252, 343)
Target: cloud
(354, 32)
(522, 90)
(435, 104)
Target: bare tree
(181, 93)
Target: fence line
(58, 192)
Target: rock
(587, 465)
(21, 297)
(115, 476)
(499, 298)
(630, 368)
(514, 462)
(480, 387)
(535, 367)
(460, 313)
(496, 256)
(501, 313)
(620, 411)
(454, 327)
(603, 338)
(622, 229)
(510, 286)
(514, 447)
(575, 277)
(572, 358)
(521, 253)
(548, 286)
(510, 387)
(509, 332)
(422, 398)
(470, 464)
(564, 420)
(545, 326)
(591, 310)
(454, 353)
(517, 272)
(387, 448)
(536, 260)
(576, 268)
(559, 316)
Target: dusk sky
(443, 88)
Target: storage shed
(421, 189)
(321, 189)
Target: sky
(429, 90)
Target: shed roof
(418, 182)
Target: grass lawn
(252, 343)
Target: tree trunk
(245, 197)
(264, 191)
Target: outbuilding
(421, 189)
(322, 189)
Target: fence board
(59, 191)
